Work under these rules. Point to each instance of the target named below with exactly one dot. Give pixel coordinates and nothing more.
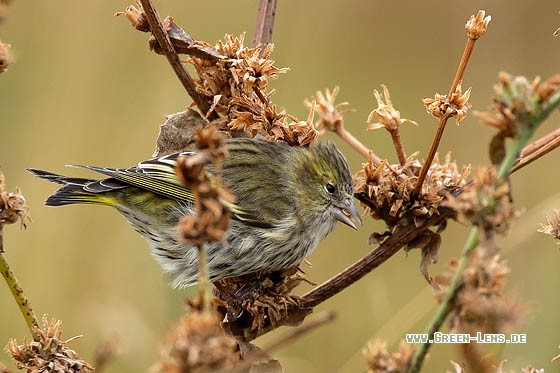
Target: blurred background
(86, 90)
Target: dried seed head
(476, 26)
(486, 202)
(136, 16)
(330, 115)
(259, 298)
(380, 359)
(212, 217)
(48, 353)
(455, 106)
(552, 227)
(386, 193)
(237, 73)
(6, 56)
(197, 344)
(12, 206)
(386, 190)
(481, 305)
(518, 102)
(388, 117)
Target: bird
(287, 199)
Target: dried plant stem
(443, 121)
(265, 23)
(399, 148)
(360, 268)
(537, 149)
(446, 305)
(163, 39)
(370, 261)
(17, 291)
(356, 144)
(204, 285)
(311, 324)
(506, 167)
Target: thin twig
(204, 284)
(356, 144)
(537, 149)
(265, 23)
(369, 262)
(443, 121)
(162, 38)
(399, 147)
(17, 291)
(311, 324)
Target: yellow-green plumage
(286, 200)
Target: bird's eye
(330, 188)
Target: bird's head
(326, 184)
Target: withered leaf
(177, 133)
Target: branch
(537, 149)
(475, 29)
(356, 144)
(17, 291)
(265, 23)
(376, 257)
(314, 322)
(162, 38)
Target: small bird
(287, 199)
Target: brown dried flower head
(482, 305)
(380, 360)
(136, 16)
(12, 206)
(48, 353)
(518, 101)
(197, 344)
(212, 217)
(476, 26)
(251, 301)
(330, 114)
(486, 202)
(388, 117)
(386, 193)
(552, 227)
(240, 71)
(6, 56)
(386, 190)
(455, 106)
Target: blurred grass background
(86, 90)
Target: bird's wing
(158, 176)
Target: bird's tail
(74, 190)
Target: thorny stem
(265, 23)
(204, 284)
(356, 144)
(17, 291)
(443, 121)
(163, 39)
(311, 324)
(506, 168)
(399, 148)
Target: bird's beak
(346, 212)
